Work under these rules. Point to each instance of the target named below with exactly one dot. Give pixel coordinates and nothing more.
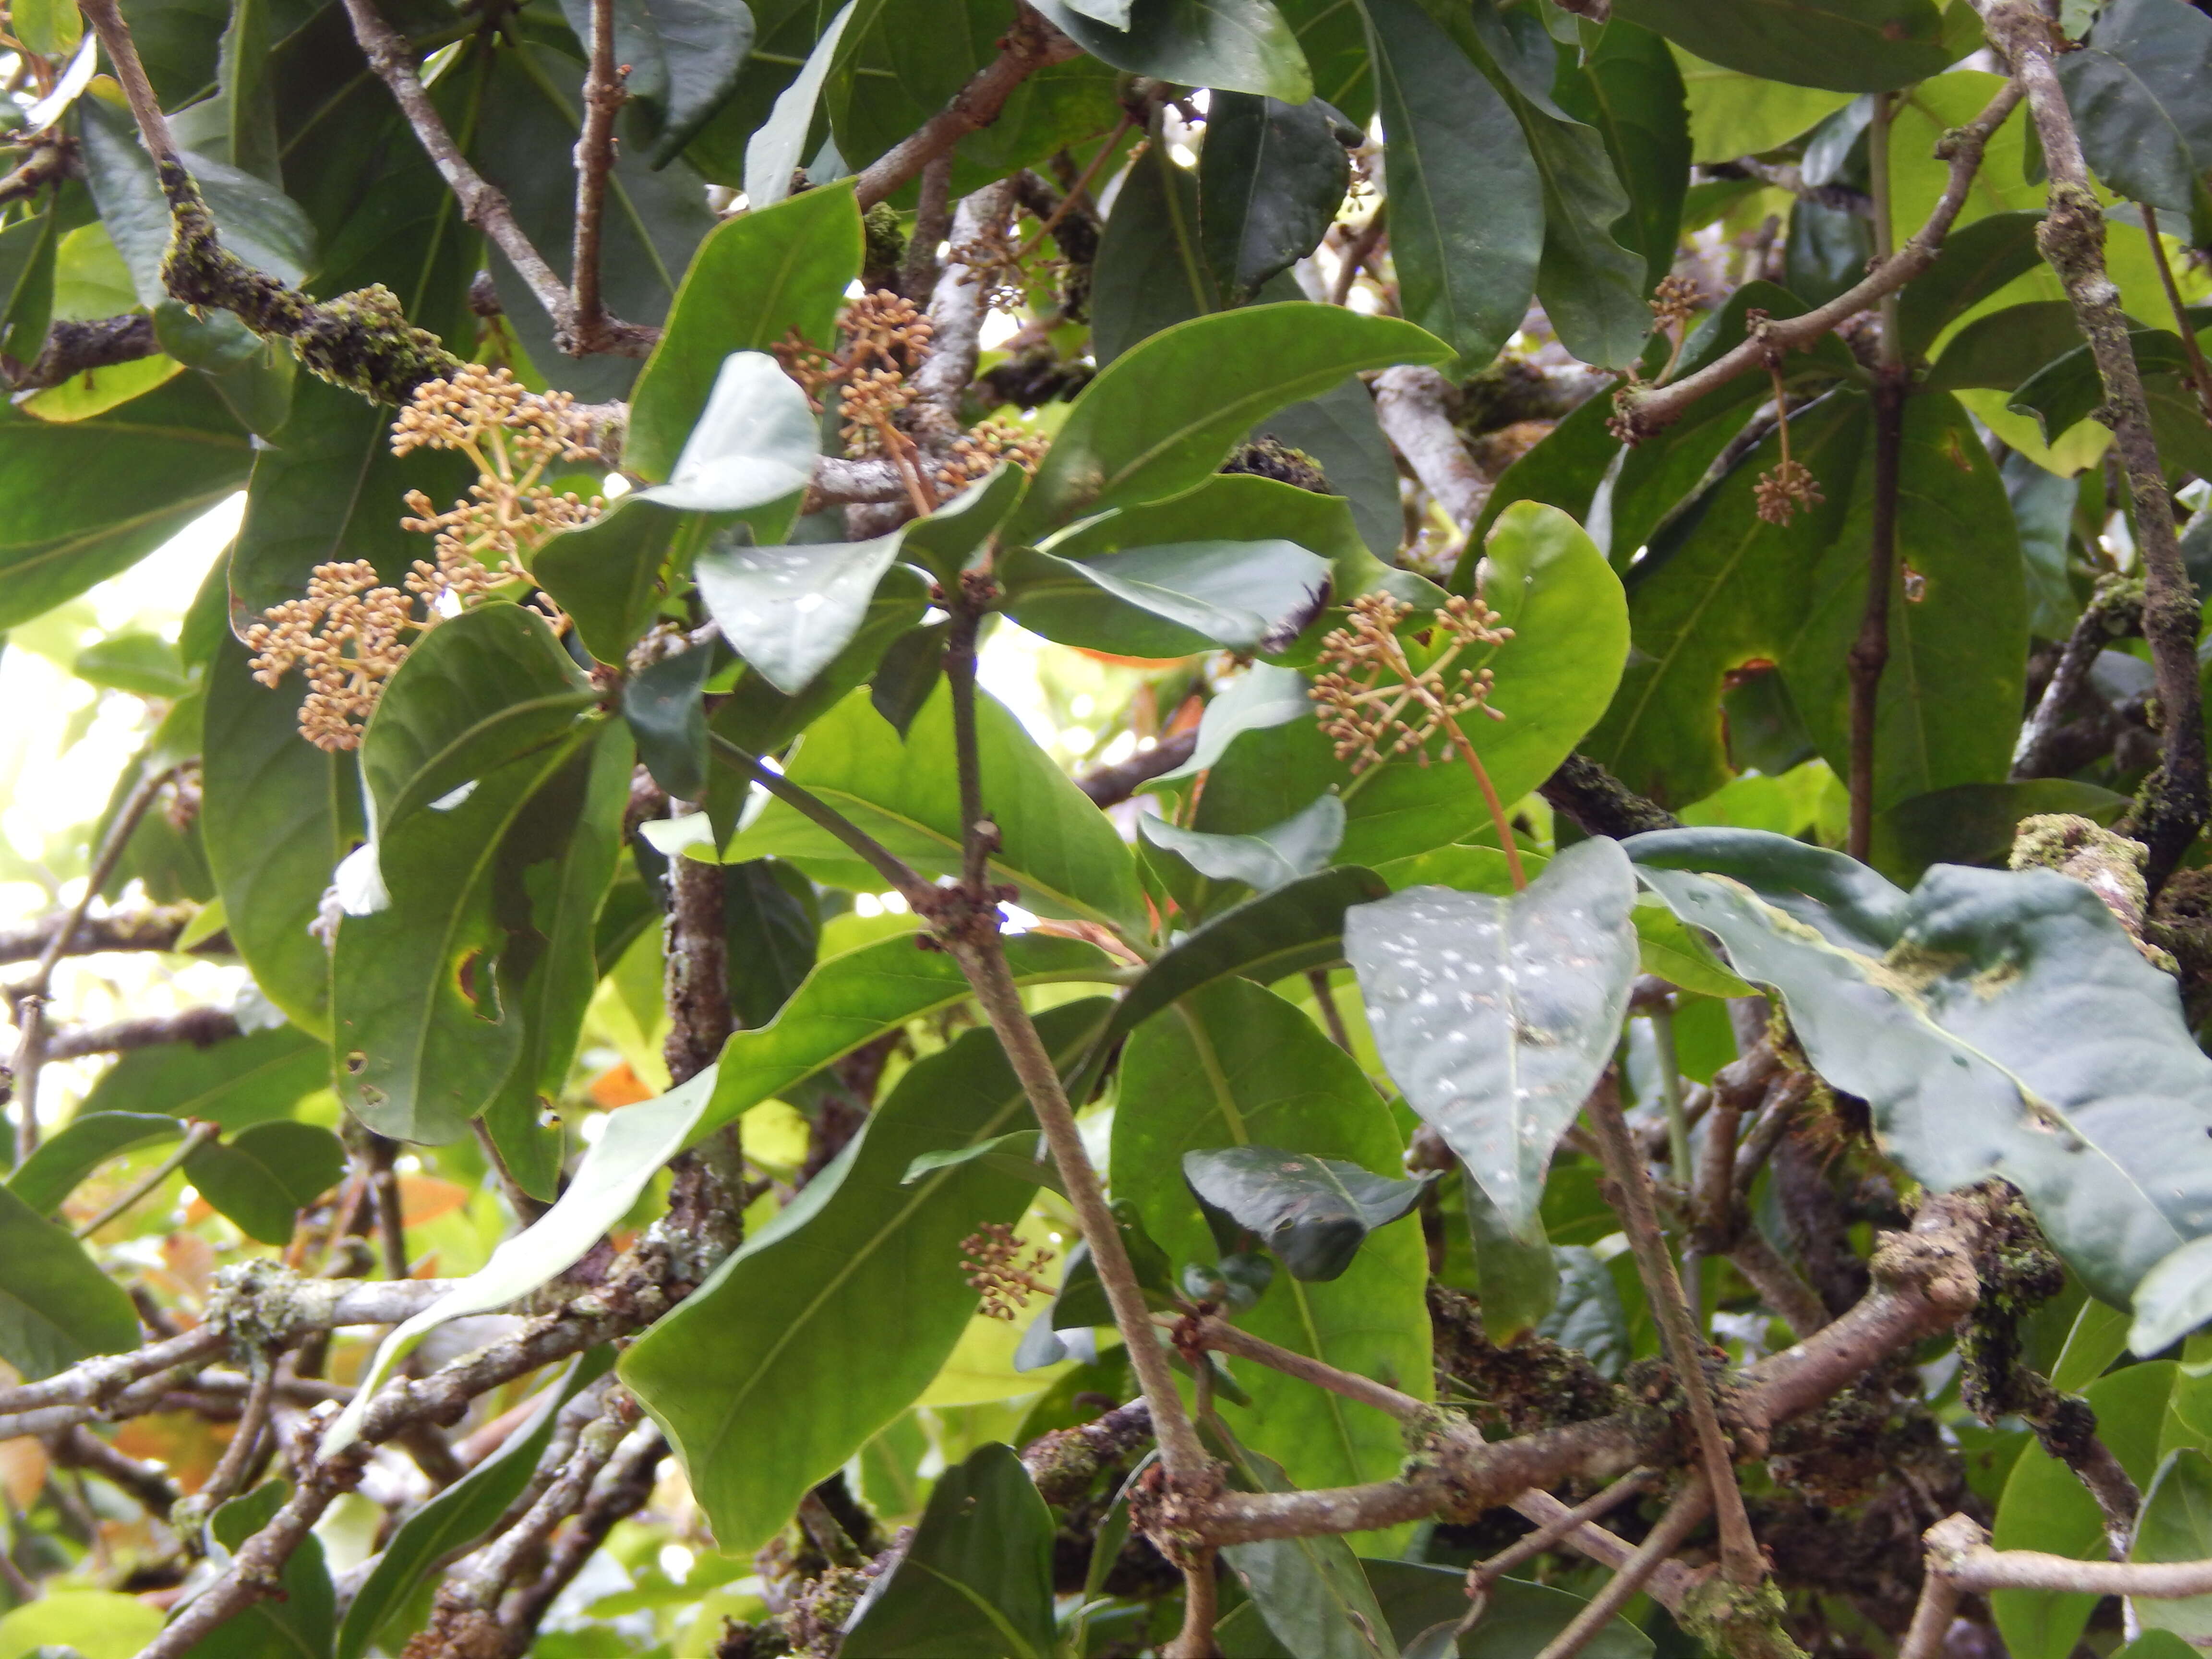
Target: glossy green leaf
(754, 280)
(778, 147)
(2045, 1507)
(762, 720)
(1588, 1315)
(681, 58)
(1313, 1212)
(459, 1515)
(1627, 86)
(977, 1576)
(1309, 1592)
(263, 1177)
(2175, 1524)
(607, 574)
(755, 442)
(773, 924)
(2069, 389)
(1151, 270)
(1998, 1022)
(1976, 262)
(1340, 431)
(1733, 114)
(1519, 1618)
(789, 611)
(856, 997)
(277, 814)
(51, 1173)
(1022, 1152)
(144, 664)
(947, 540)
(1061, 851)
(1168, 601)
(237, 1083)
(301, 1618)
(1081, 1298)
(1496, 1016)
(2003, 348)
(1160, 418)
(912, 666)
(1467, 202)
(56, 1305)
(1233, 1065)
(772, 1337)
(1231, 45)
(424, 1033)
(2099, 1336)
(1270, 181)
(1300, 844)
(615, 1168)
(481, 690)
(2135, 89)
(665, 705)
(1851, 46)
(1517, 1274)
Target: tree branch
(71, 348)
(604, 97)
(1960, 1556)
(200, 1027)
(1643, 412)
(156, 929)
(1109, 785)
(1599, 803)
(1413, 405)
(2114, 610)
(1030, 46)
(1690, 1506)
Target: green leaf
(263, 1177)
(1675, 953)
(1151, 270)
(977, 1576)
(2045, 1507)
(424, 1033)
(96, 1624)
(1517, 1275)
(144, 664)
(1060, 850)
(481, 690)
(1230, 46)
(762, 720)
(1340, 430)
(461, 1514)
(237, 1084)
(1081, 1298)
(1300, 844)
(948, 539)
(2174, 1299)
(1973, 822)
(830, 1322)
(1519, 1618)
(51, 1174)
(754, 280)
(2069, 389)
(755, 442)
(88, 499)
(1168, 601)
(615, 1168)
(56, 1305)
(1467, 202)
(1261, 699)
(1233, 1065)
(1022, 1152)
(1588, 1315)
(1313, 1212)
(276, 816)
(1162, 417)
(665, 705)
(1981, 1017)
(1494, 1045)
(1270, 181)
(1733, 114)
(778, 146)
(301, 1618)
(1850, 45)
(790, 611)
(855, 997)
(607, 574)
(2099, 1336)
(1976, 261)
(1309, 1591)
(2175, 1524)
(1627, 86)
(773, 925)
(2135, 89)
(683, 58)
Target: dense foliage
(1302, 829)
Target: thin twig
(1218, 1335)
(154, 929)
(390, 1204)
(195, 1138)
(2114, 610)
(1870, 653)
(229, 1476)
(604, 97)
(1332, 1016)
(2173, 806)
(1681, 1517)
(1643, 413)
(1739, 1557)
(1083, 182)
(1555, 1531)
(2200, 377)
(200, 1027)
(1356, 254)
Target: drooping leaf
(777, 1335)
(237, 1083)
(778, 147)
(1152, 271)
(977, 1576)
(1517, 1274)
(948, 539)
(56, 1305)
(1466, 203)
(1168, 601)
(1233, 1065)
(1939, 1007)
(1313, 1212)
(762, 720)
(43, 1179)
(1973, 822)
(607, 574)
(1232, 46)
(789, 611)
(755, 442)
(1851, 46)
(1309, 1592)
(263, 1177)
(1299, 846)
(1270, 181)
(1021, 1153)
(1060, 850)
(460, 1514)
(1160, 418)
(614, 1170)
(1628, 87)
(772, 922)
(1340, 431)
(1496, 1016)
(754, 280)
(665, 704)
